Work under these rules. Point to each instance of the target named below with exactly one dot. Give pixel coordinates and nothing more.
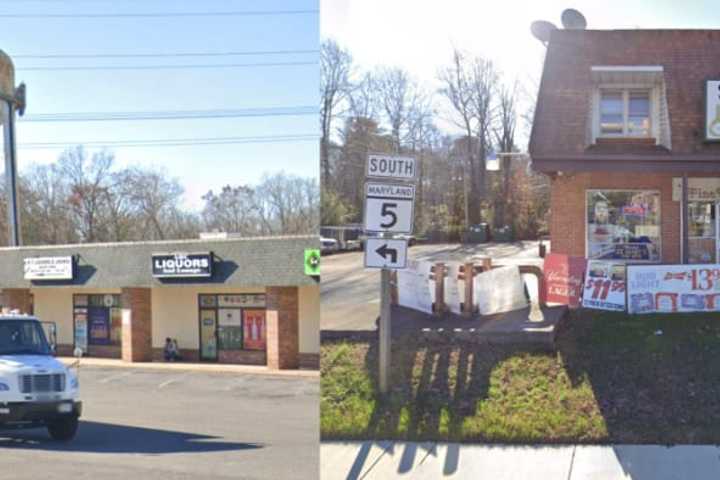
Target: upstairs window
(624, 113)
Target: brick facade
(137, 325)
(282, 323)
(17, 299)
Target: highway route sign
(386, 253)
(389, 207)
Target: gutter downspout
(684, 220)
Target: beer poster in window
(604, 286)
(254, 329)
(673, 288)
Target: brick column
(136, 325)
(17, 299)
(282, 327)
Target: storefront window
(97, 320)
(231, 322)
(701, 232)
(623, 225)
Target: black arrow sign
(384, 251)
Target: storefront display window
(97, 320)
(231, 322)
(701, 232)
(623, 225)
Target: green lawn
(612, 379)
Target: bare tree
(88, 182)
(505, 140)
(398, 97)
(335, 70)
(234, 209)
(153, 196)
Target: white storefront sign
(499, 290)
(699, 189)
(673, 288)
(414, 287)
(712, 110)
(48, 268)
(604, 286)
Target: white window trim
(654, 131)
(639, 190)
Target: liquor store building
(246, 301)
(627, 127)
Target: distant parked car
(328, 245)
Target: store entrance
(232, 328)
(97, 323)
(703, 232)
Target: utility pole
(11, 100)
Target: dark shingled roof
(560, 127)
(247, 262)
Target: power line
(170, 114)
(163, 55)
(257, 13)
(165, 67)
(173, 142)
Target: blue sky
(199, 168)
(420, 35)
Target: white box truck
(36, 389)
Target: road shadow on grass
(655, 379)
(97, 437)
(435, 386)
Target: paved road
(148, 424)
(351, 295)
(421, 461)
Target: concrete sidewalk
(190, 367)
(386, 460)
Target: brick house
(627, 127)
(244, 301)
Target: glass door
(208, 335)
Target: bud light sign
(182, 265)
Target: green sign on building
(312, 261)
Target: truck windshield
(22, 337)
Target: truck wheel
(64, 429)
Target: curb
(192, 367)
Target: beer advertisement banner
(604, 286)
(564, 279)
(673, 288)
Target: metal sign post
(389, 210)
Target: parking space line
(171, 381)
(112, 378)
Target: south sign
(181, 265)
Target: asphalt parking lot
(149, 424)
(351, 294)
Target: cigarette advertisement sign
(604, 286)
(564, 279)
(673, 288)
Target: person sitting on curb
(170, 352)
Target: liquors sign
(48, 268)
(182, 265)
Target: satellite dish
(542, 29)
(573, 20)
